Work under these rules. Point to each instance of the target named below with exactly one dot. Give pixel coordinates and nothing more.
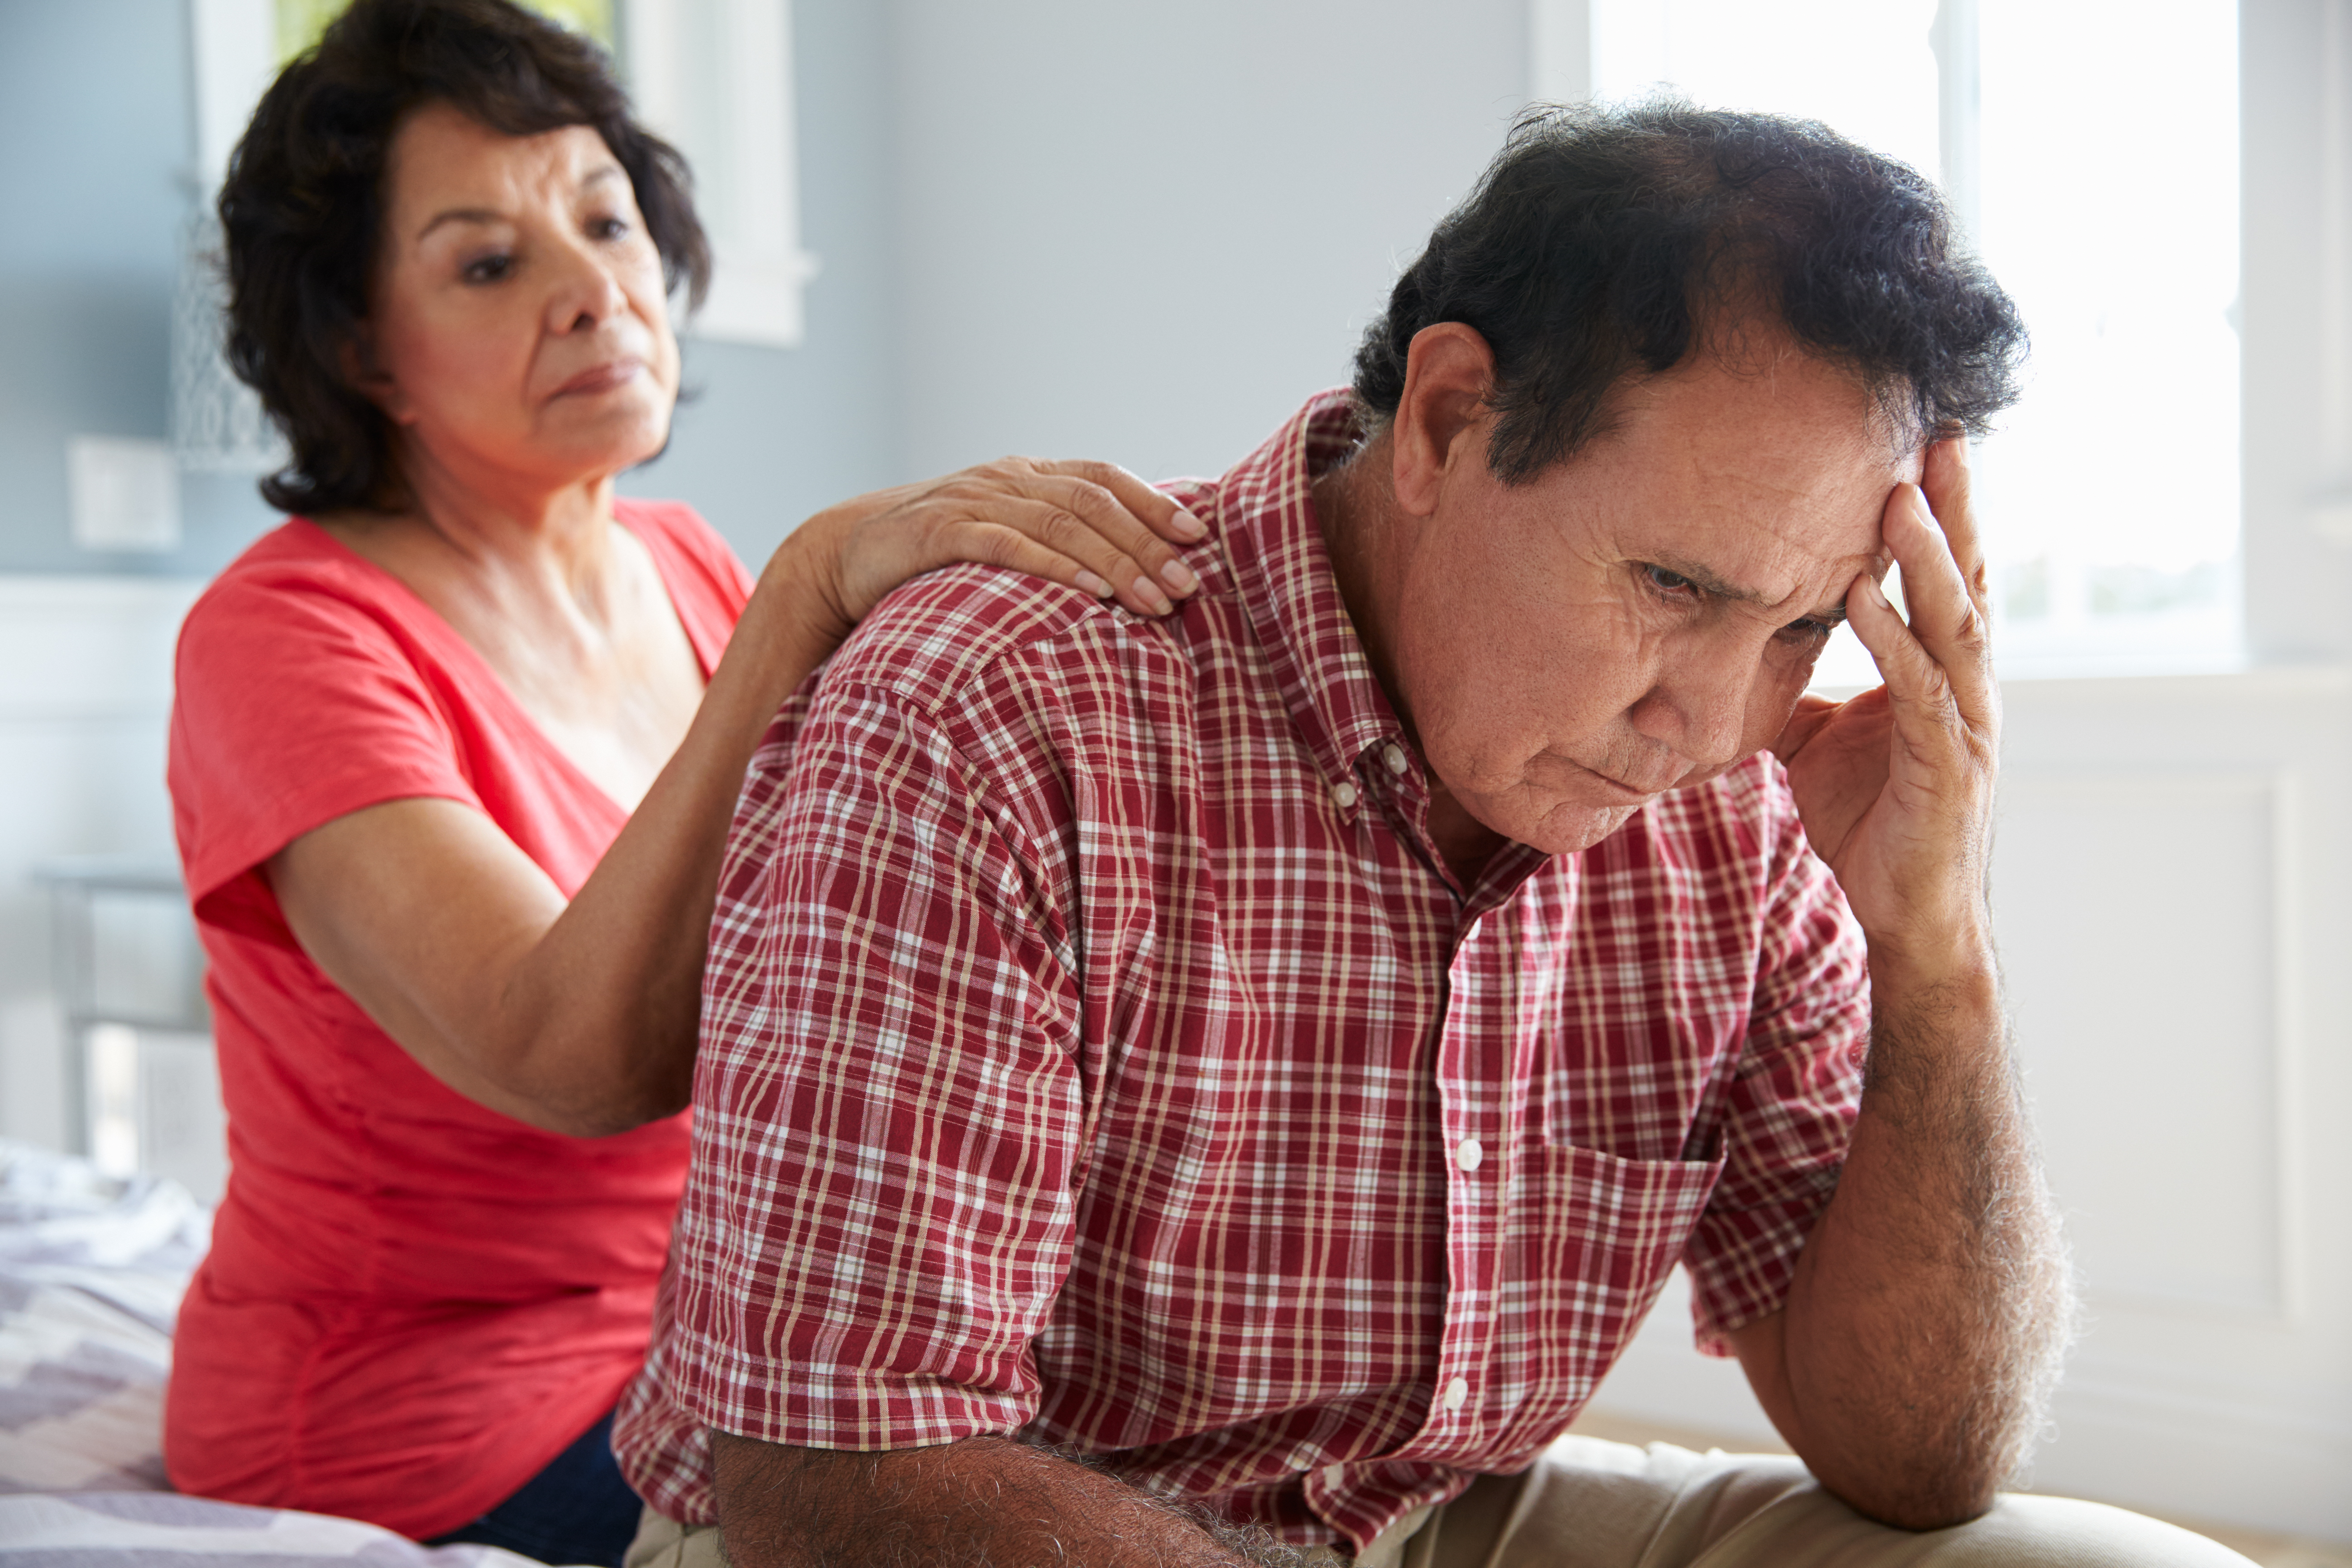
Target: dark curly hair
(1604, 242)
(301, 210)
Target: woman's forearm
(581, 1018)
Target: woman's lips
(601, 378)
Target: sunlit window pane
(2108, 207)
(1861, 67)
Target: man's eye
(1808, 630)
(487, 269)
(1667, 582)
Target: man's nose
(1697, 705)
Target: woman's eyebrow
(461, 214)
(485, 214)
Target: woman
(453, 759)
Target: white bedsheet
(92, 1272)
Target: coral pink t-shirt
(412, 1302)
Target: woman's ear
(1442, 417)
(363, 375)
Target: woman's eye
(607, 228)
(1667, 582)
(487, 269)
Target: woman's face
(519, 331)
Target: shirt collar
(1283, 574)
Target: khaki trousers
(1591, 1504)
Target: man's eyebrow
(1708, 582)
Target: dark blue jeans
(577, 1509)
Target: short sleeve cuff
(1741, 1262)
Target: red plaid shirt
(1096, 1049)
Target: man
(1204, 1090)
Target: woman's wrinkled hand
(1087, 525)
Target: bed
(92, 1269)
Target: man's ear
(362, 374)
(1440, 421)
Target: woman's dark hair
(302, 208)
(1605, 242)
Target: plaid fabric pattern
(1096, 1049)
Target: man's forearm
(984, 1500)
(1929, 1310)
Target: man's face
(1644, 615)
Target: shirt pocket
(1593, 1236)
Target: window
(714, 76)
(2090, 153)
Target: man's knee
(2066, 1533)
(1605, 1505)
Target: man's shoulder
(943, 637)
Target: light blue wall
(1146, 232)
(95, 129)
(95, 142)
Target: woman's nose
(588, 292)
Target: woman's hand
(1090, 526)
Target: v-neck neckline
(478, 668)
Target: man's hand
(1895, 788)
(1924, 1324)
(983, 1500)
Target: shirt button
(1333, 1475)
(1343, 796)
(1457, 1395)
(1394, 755)
(1469, 1154)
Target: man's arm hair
(1913, 1365)
(982, 1502)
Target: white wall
(1146, 232)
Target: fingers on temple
(1950, 489)
(1943, 648)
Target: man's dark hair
(303, 206)
(1608, 242)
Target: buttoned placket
(1471, 1093)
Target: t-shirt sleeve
(292, 706)
(888, 1106)
(1789, 1112)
